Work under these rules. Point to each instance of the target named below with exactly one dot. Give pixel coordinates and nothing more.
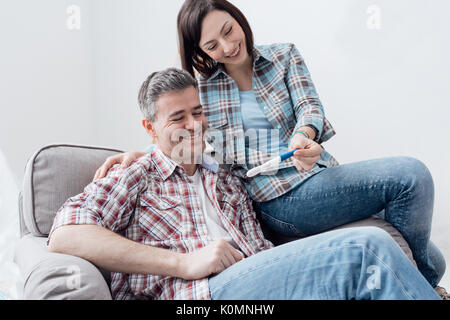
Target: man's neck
(190, 169)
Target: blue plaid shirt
(286, 94)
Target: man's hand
(211, 259)
(306, 158)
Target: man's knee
(369, 236)
(376, 234)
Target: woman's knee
(413, 172)
(437, 259)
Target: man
(174, 225)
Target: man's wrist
(177, 265)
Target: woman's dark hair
(189, 23)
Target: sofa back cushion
(52, 175)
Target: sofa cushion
(52, 175)
(55, 276)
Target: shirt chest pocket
(217, 114)
(230, 205)
(282, 108)
(217, 122)
(217, 125)
(278, 108)
(161, 217)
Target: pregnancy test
(271, 164)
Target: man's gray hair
(160, 83)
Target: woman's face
(223, 39)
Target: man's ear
(149, 128)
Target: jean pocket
(282, 227)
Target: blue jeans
(355, 263)
(400, 188)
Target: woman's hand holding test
(306, 158)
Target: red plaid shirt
(154, 203)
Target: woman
(246, 88)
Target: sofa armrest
(55, 276)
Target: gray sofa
(54, 174)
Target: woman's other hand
(310, 152)
(125, 159)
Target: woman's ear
(149, 128)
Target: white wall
(384, 90)
(10, 278)
(45, 79)
(131, 39)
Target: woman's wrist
(307, 131)
(304, 133)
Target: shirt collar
(220, 69)
(258, 53)
(165, 166)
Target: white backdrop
(9, 232)
(381, 68)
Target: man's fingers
(219, 267)
(228, 259)
(124, 159)
(234, 256)
(99, 173)
(106, 166)
(96, 175)
(238, 256)
(102, 172)
(228, 254)
(112, 161)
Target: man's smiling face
(179, 126)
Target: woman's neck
(242, 74)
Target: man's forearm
(113, 252)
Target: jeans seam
(291, 226)
(392, 272)
(336, 192)
(401, 206)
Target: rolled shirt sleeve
(306, 103)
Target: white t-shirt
(214, 225)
